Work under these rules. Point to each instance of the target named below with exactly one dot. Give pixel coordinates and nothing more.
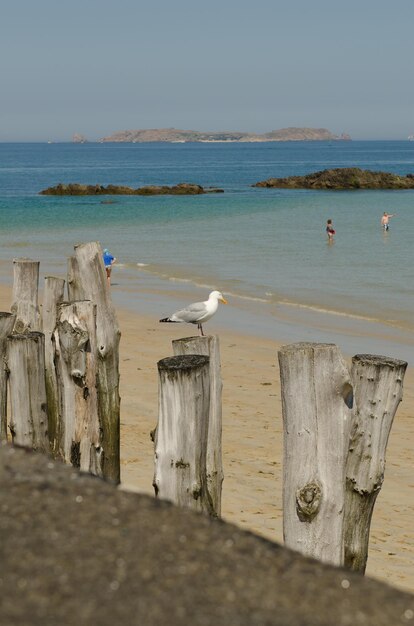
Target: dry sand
(252, 438)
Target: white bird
(198, 312)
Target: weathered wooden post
(378, 387)
(75, 291)
(7, 321)
(89, 274)
(80, 440)
(26, 366)
(210, 346)
(25, 295)
(181, 434)
(316, 404)
(52, 297)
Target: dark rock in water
(181, 189)
(75, 550)
(75, 189)
(342, 178)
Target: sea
(265, 249)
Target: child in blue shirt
(108, 260)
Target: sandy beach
(252, 437)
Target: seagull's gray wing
(191, 314)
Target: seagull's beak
(223, 300)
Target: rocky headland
(75, 189)
(174, 135)
(341, 178)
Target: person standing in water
(385, 220)
(108, 260)
(330, 231)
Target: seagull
(198, 312)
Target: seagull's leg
(201, 329)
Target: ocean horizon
(266, 249)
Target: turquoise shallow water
(256, 245)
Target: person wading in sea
(330, 231)
(385, 219)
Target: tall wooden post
(210, 346)
(25, 295)
(316, 399)
(80, 440)
(75, 291)
(26, 365)
(90, 274)
(52, 297)
(378, 388)
(181, 435)
(7, 321)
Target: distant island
(341, 178)
(78, 138)
(174, 135)
(75, 189)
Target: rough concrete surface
(75, 550)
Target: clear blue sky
(98, 66)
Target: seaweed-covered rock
(342, 178)
(75, 189)
(180, 189)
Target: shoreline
(262, 318)
(158, 296)
(252, 433)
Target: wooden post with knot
(317, 398)
(81, 440)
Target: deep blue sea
(256, 245)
